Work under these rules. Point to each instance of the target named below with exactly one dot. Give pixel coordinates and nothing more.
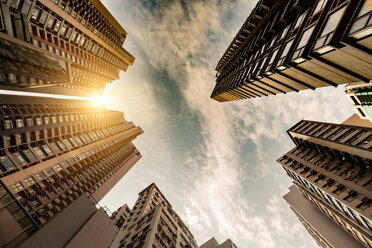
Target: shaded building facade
(360, 95)
(153, 224)
(331, 167)
(60, 47)
(54, 151)
(121, 214)
(324, 231)
(212, 243)
(286, 46)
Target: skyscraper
(360, 95)
(60, 47)
(212, 243)
(331, 166)
(286, 46)
(53, 152)
(153, 223)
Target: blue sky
(214, 162)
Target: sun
(98, 100)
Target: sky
(215, 162)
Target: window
(18, 157)
(46, 120)
(362, 24)
(19, 123)
(50, 171)
(8, 124)
(26, 7)
(58, 167)
(43, 16)
(319, 6)
(40, 175)
(29, 155)
(365, 142)
(301, 45)
(325, 37)
(38, 121)
(47, 150)
(39, 152)
(6, 163)
(29, 122)
(29, 181)
(17, 187)
(63, 147)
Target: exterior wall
(98, 232)
(60, 230)
(51, 154)
(153, 223)
(331, 166)
(287, 46)
(325, 232)
(120, 215)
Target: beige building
(331, 167)
(288, 46)
(153, 224)
(53, 152)
(60, 47)
(360, 96)
(212, 243)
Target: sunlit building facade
(60, 47)
(360, 96)
(331, 167)
(153, 224)
(55, 151)
(286, 46)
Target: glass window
(29, 122)
(19, 123)
(39, 152)
(29, 181)
(299, 20)
(50, 171)
(46, 120)
(35, 13)
(18, 157)
(68, 143)
(63, 147)
(17, 187)
(38, 121)
(58, 167)
(6, 163)
(43, 17)
(320, 5)
(15, 4)
(26, 7)
(40, 175)
(60, 118)
(47, 150)
(8, 124)
(55, 147)
(29, 155)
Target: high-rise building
(54, 151)
(60, 47)
(153, 224)
(121, 214)
(331, 167)
(360, 95)
(286, 46)
(324, 231)
(212, 243)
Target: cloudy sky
(214, 162)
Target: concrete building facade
(212, 243)
(153, 224)
(360, 96)
(286, 46)
(60, 47)
(52, 152)
(331, 167)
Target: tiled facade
(153, 224)
(286, 46)
(52, 151)
(331, 166)
(78, 40)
